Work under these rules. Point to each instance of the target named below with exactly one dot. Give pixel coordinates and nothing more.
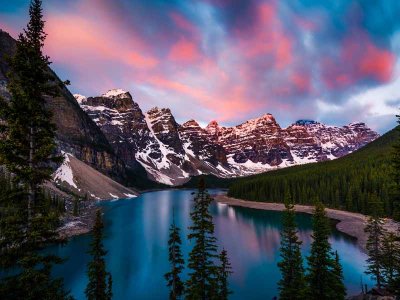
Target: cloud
(230, 60)
(378, 106)
(184, 51)
(358, 59)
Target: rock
(171, 153)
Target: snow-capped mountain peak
(213, 128)
(116, 93)
(191, 123)
(171, 153)
(80, 98)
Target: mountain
(113, 135)
(350, 182)
(76, 176)
(76, 132)
(171, 153)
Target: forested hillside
(349, 183)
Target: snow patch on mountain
(80, 98)
(64, 172)
(114, 93)
(172, 153)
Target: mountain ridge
(171, 153)
(348, 183)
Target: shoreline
(349, 223)
(78, 225)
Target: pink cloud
(301, 82)
(359, 59)
(74, 38)
(266, 37)
(377, 63)
(184, 51)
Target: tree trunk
(31, 188)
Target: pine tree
(292, 286)
(109, 293)
(337, 282)
(202, 282)
(396, 177)
(321, 279)
(391, 260)
(376, 233)
(394, 286)
(27, 146)
(174, 281)
(100, 282)
(225, 270)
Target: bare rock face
(200, 144)
(171, 153)
(336, 141)
(151, 138)
(165, 130)
(258, 140)
(122, 122)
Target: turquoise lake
(136, 235)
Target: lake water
(136, 235)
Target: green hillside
(349, 183)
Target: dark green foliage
(345, 183)
(391, 260)
(322, 278)
(376, 234)
(292, 285)
(100, 282)
(19, 246)
(202, 282)
(211, 181)
(35, 281)
(109, 293)
(337, 283)
(29, 217)
(394, 285)
(395, 171)
(28, 146)
(174, 281)
(225, 270)
(383, 249)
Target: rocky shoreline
(77, 225)
(350, 223)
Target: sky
(230, 60)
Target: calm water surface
(136, 235)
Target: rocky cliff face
(171, 153)
(258, 140)
(77, 133)
(150, 139)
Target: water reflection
(137, 233)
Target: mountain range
(171, 153)
(111, 134)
